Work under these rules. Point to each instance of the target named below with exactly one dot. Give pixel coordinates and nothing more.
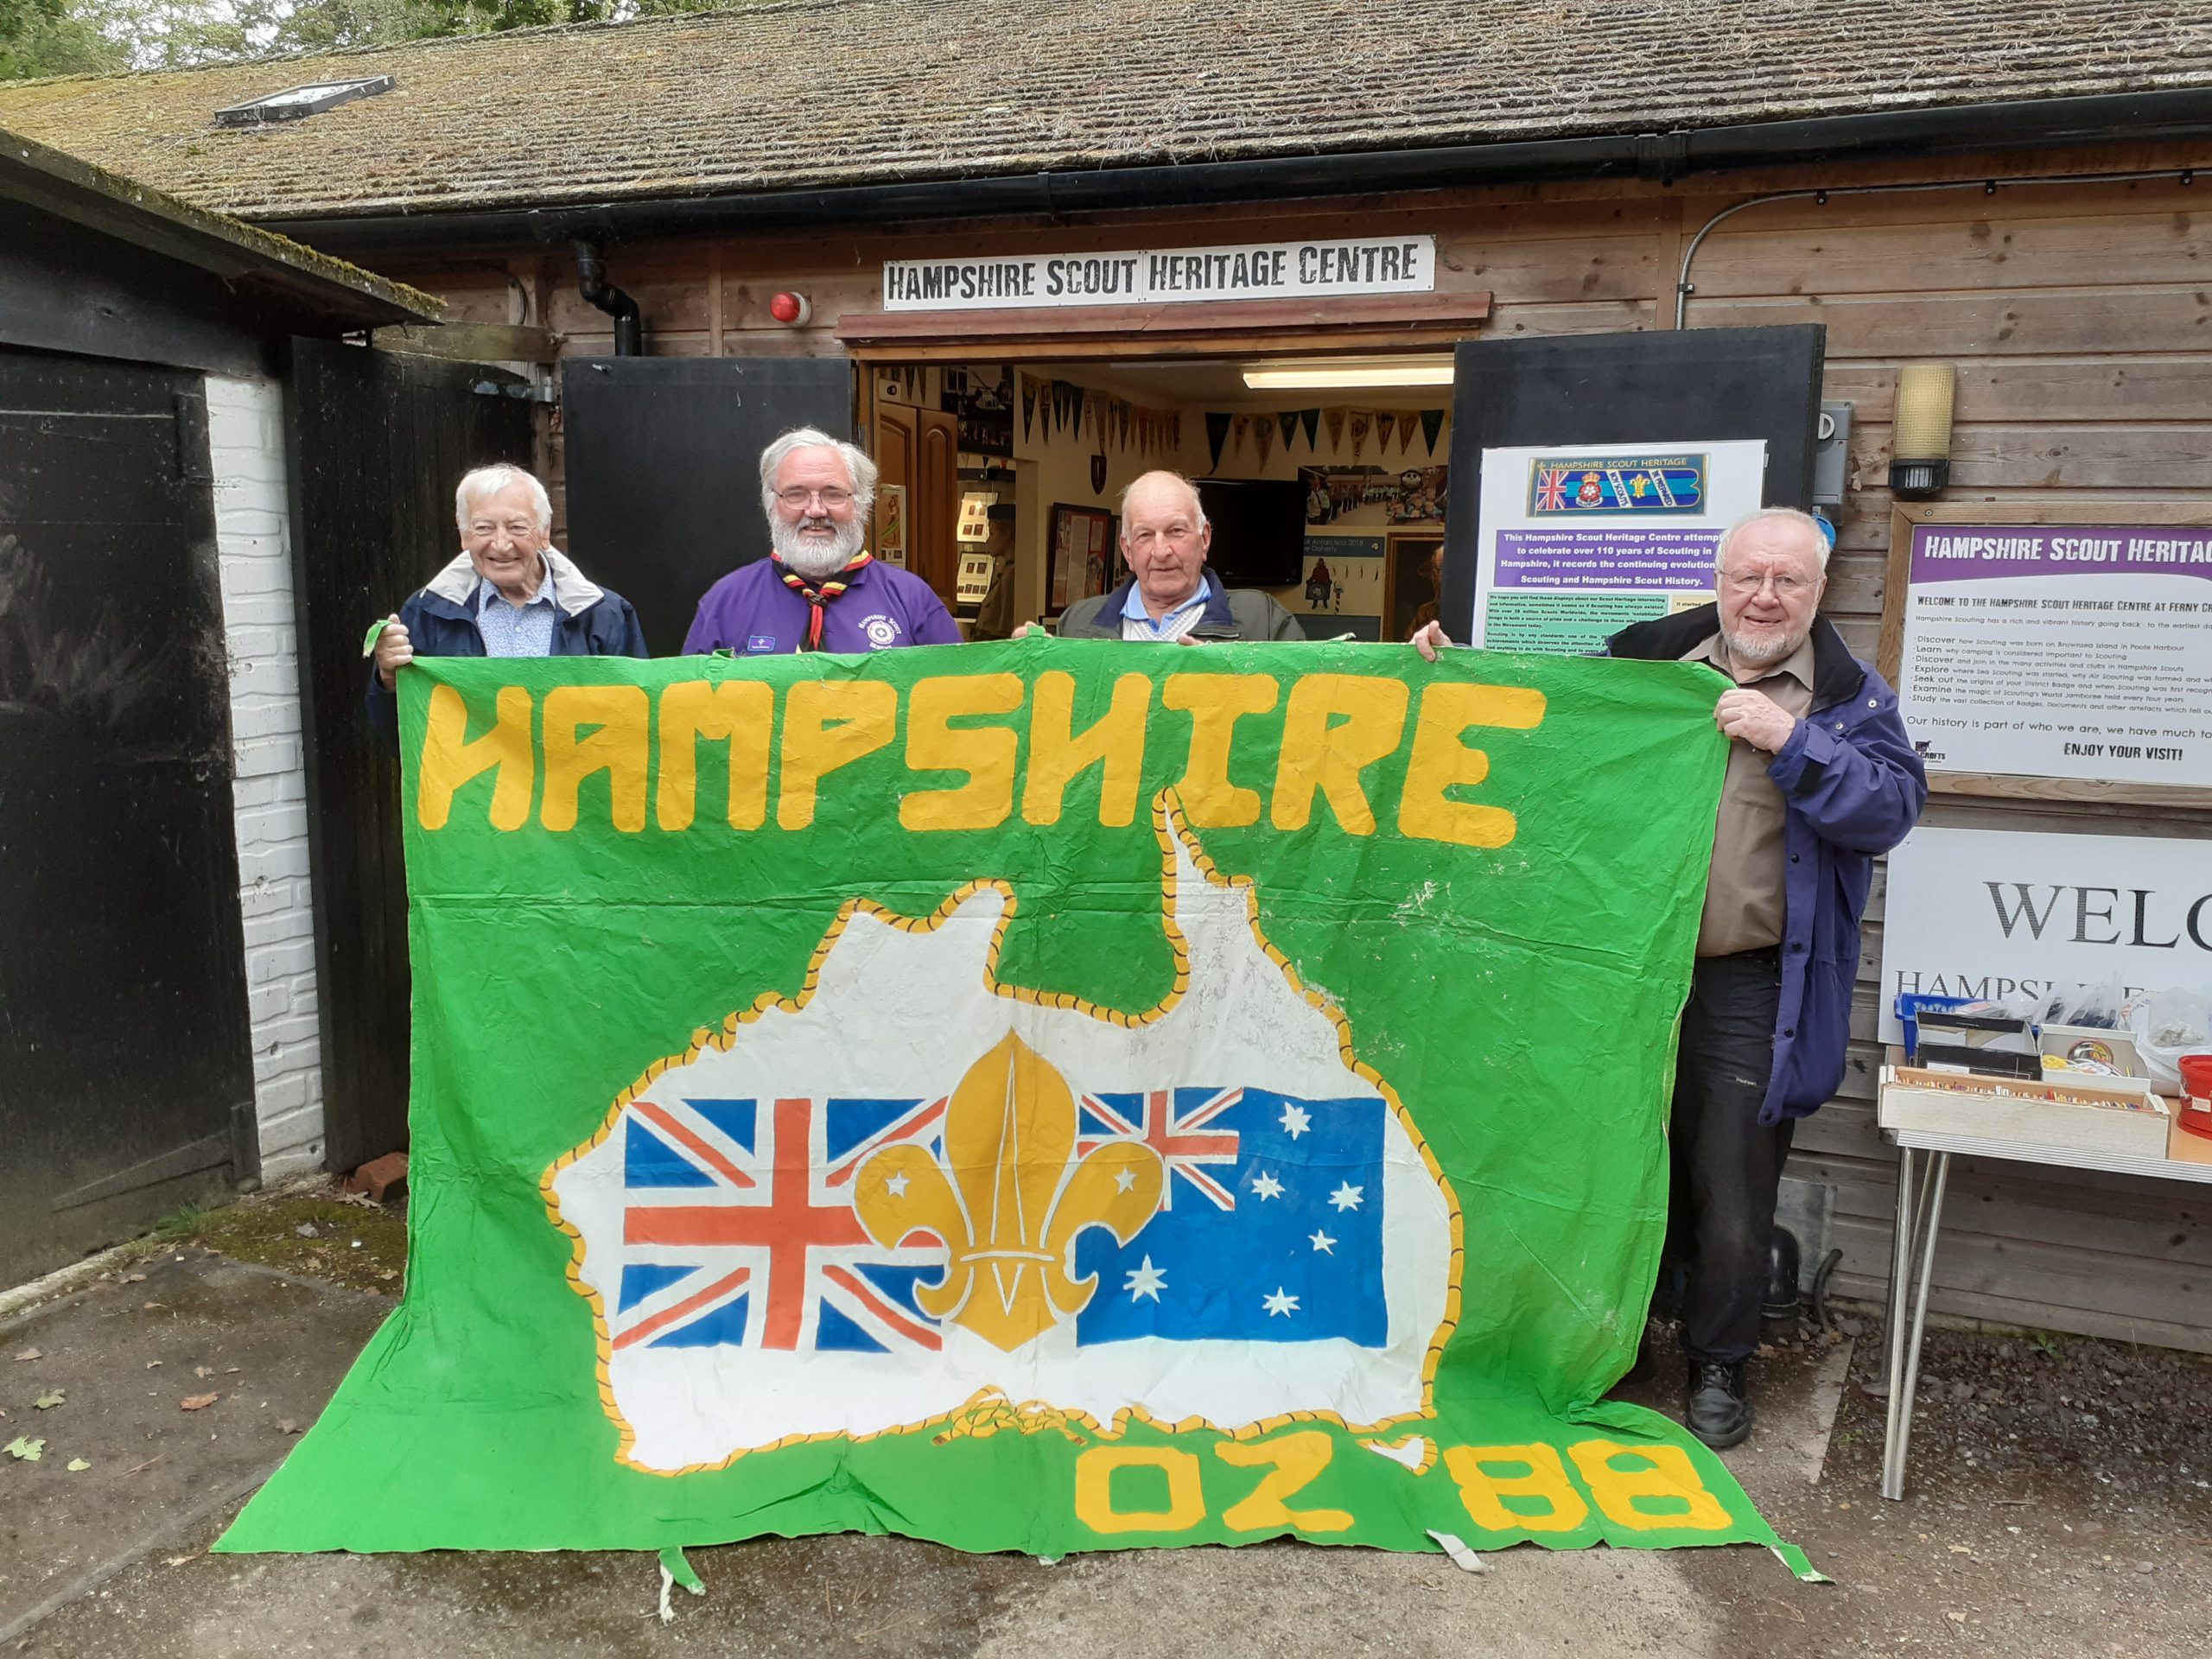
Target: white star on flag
(1324, 1244)
(1296, 1120)
(1145, 1280)
(1266, 1186)
(1123, 1182)
(1279, 1302)
(1346, 1197)
(896, 1187)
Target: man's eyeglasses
(1785, 587)
(833, 498)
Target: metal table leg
(1920, 1218)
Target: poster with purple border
(1574, 544)
(2063, 651)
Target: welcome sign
(1046, 1096)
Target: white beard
(814, 560)
(1743, 654)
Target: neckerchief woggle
(817, 594)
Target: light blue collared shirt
(512, 631)
(1171, 626)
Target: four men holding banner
(1821, 780)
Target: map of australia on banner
(911, 1188)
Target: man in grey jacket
(1170, 594)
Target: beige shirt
(1743, 890)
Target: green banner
(1046, 1096)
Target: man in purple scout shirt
(818, 589)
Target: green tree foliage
(61, 37)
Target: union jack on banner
(739, 1231)
(1551, 490)
(1174, 1123)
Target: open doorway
(1322, 476)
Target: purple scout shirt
(751, 612)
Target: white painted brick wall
(246, 431)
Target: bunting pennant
(1237, 428)
(1287, 423)
(1335, 418)
(1406, 419)
(1029, 403)
(1217, 434)
(1361, 420)
(1310, 420)
(1432, 424)
(1386, 423)
(1263, 439)
(1175, 429)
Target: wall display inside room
(975, 522)
(1081, 554)
(1413, 582)
(983, 401)
(2071, 650)
(891, 524)
(1575, 544)
(1413, 495)
(974, 578)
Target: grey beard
(1741, 651)
(814, 560)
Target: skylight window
(299, 102)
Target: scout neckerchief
(819, 593)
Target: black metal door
(1698, 385)
(378, 443)
(662, 466)
(126, 1081)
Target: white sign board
(2072, 650)
(1576, 543)
(1270, 270)
(1988, 912)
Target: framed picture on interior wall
(891, 524)
(1078, 551)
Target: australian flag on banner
(1270, 1225)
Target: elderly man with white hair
(509, 592)
(1821, 778)
(819, 589)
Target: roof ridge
(432, 43)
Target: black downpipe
(2112, 118)
(592, 284)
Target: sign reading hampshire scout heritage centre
(1398, 265)
(1038, 1097)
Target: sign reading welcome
(1397, 264)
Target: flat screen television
(1258, 530)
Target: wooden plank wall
(2080, 316)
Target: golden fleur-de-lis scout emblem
(1008, 1198)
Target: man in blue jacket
(508, 593)
(1821, 780)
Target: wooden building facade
(2063, 265)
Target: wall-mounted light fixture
(1920, 442)
(1328, 374)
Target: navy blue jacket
(1851, 788)
(440, 621)
(1229, 613)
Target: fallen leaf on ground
(175, 1561)
(77, 1466)
(230, 1370)
(286, 1425)
(149, 1307)
(203, 1372)
(24, 1450)
(198, 1401)
(28, 1353)
(151, 1363)
(49, 1400)
(134, 1278)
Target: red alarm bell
(790, 309)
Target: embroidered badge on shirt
(761, 642)
(881, 631)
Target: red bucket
(2196, 1094)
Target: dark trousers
(1726, 1168)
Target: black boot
(1718, 1408)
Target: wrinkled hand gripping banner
(1041, 1097)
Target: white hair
(1197, 507)
(858, 467)
(1804, 521)
(489, 481)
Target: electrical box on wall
(1832, 455)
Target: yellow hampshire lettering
(829, 724)
(451, 757)
(1335, 728)
(986, 753)
(1441, 762)
(1216, 703)
(1293, 1462)
(737, 712)
(591, 728)
(1114, 743)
